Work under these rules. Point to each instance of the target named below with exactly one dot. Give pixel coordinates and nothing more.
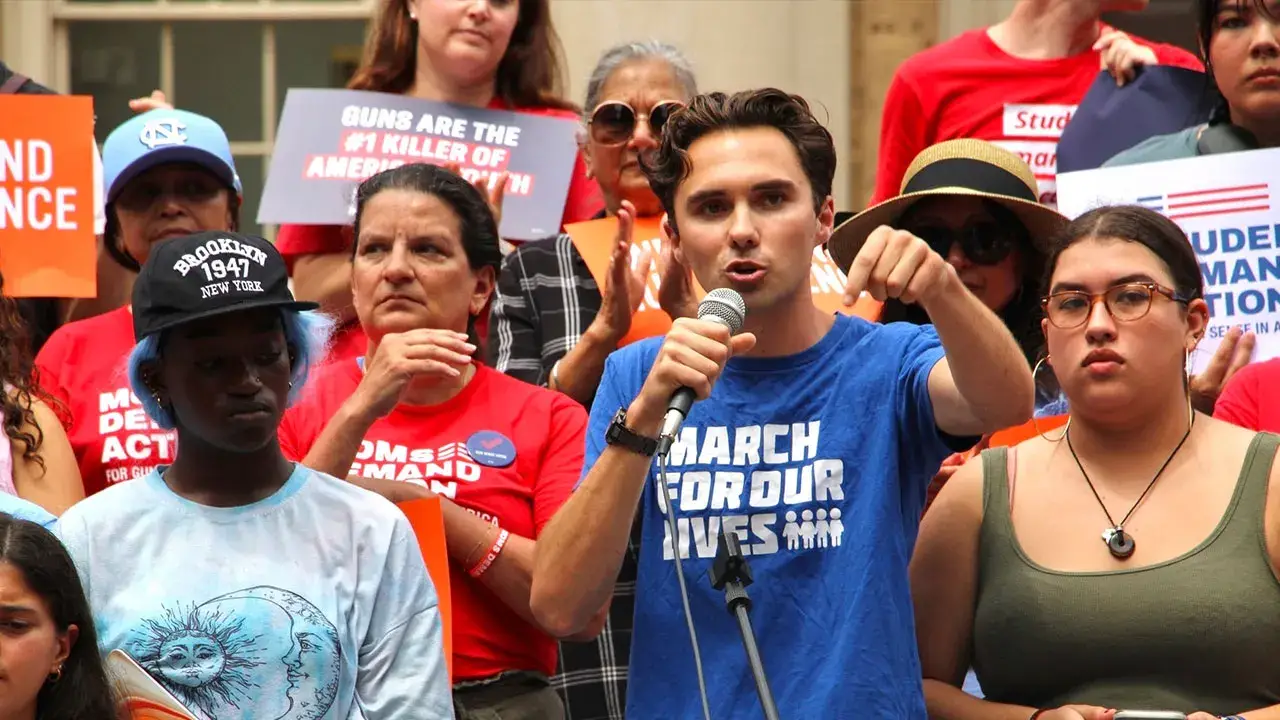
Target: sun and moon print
(260, 653)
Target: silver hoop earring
(1034, 423)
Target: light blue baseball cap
(160, 137)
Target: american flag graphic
(446, 452)
(1214, 201)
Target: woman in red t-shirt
(419, 415)
(166, 173)
(500, 54)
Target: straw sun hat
(968, 167)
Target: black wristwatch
(621, 435)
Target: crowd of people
(208, 475)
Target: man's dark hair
(789, 114)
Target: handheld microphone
(721, 305)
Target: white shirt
(312, 603)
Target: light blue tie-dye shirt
(312, 603)
(26, 510)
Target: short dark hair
(83, 692)
(669, 165)
(1133, 223)
(1206, 27)
(475, 219)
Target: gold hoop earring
(1036, 425)
(54, 676)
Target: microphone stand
(730, 573)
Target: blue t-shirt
(312, 604)
(26, 510)
(819, 461)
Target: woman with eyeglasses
(496, 54)
(551, 323)
(167, 173)
(1129, 560)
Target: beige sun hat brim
(1042, 222)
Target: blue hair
(307, 334)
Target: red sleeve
(584, 201)
(295, 240)
(902, 136)
(292, 444)
(49, 363)
(561, 463)
(303, 422)
(1176, 56)
(1238, 403)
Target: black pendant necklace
(1119, 542)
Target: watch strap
(622, 436)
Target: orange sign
(141, 697)
(595, 240)
(428, 524)
(47, 243)
(1014, 435)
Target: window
(1166, 21)
(233, 61)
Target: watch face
(619, 434)
(616, 427)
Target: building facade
(235, 59)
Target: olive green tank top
(1198, 632)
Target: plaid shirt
(545, 300)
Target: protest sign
(594, 241)
(330, 140)
(47, 242)
(1021, 433)
(1225, 205)
(427, 520)
(142, 697)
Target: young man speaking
(815, 447)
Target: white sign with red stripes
(1227, 206)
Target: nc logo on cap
(158, 133)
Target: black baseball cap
(207, 274)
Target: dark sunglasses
(141, 193)
(614, 122)
(984, 243)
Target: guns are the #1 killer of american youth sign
(1227, 206)
(330, 140)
